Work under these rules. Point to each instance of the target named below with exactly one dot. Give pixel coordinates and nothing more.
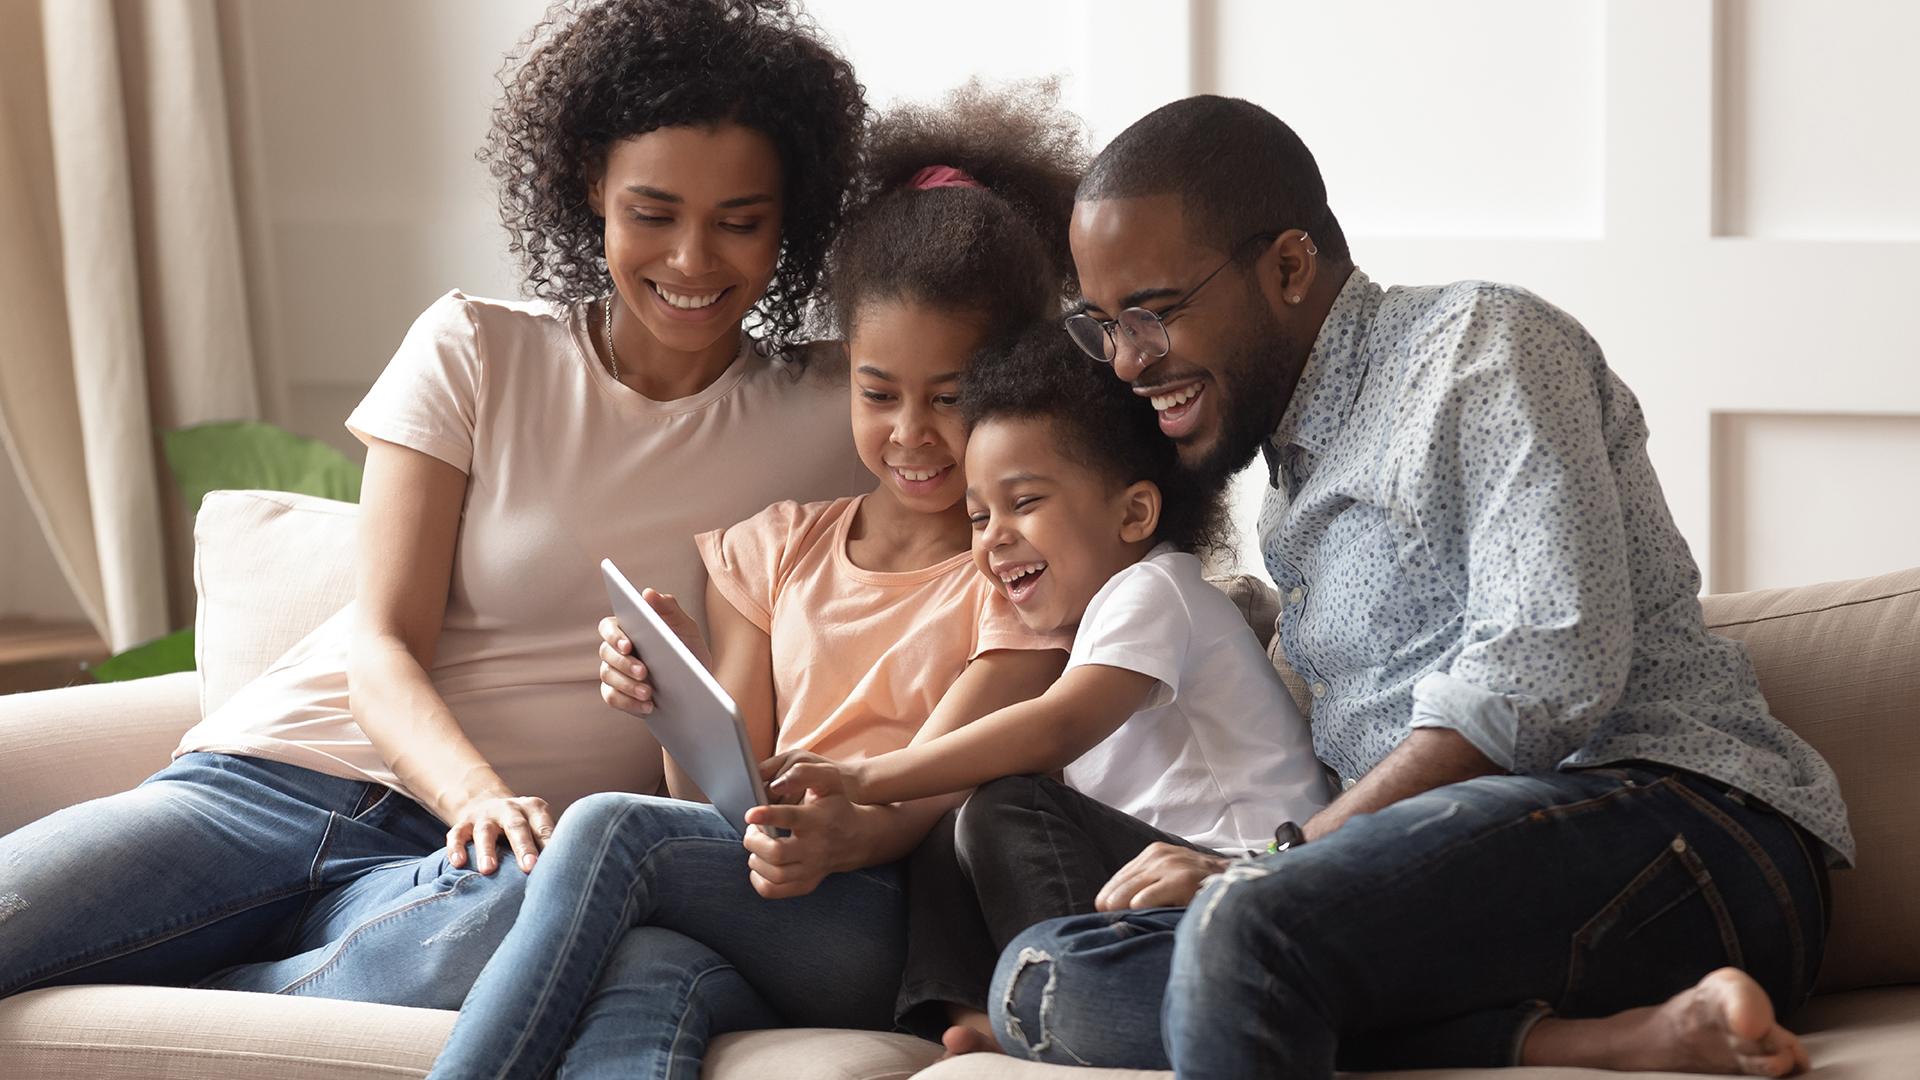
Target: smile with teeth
(1163, 402)
(919, 475)
(1020, 579)
(687, 301)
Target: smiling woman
(692, 241)
(394, 776)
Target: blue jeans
(245, 874)
(641, 939)
(1433, 933)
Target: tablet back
(693, 716)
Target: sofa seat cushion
(141, 1032)
(116, 1032)
(1863, 1035)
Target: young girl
(1169, 722)
(841, 626)
(671, 172)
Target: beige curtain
(125, 307)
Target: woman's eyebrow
(665, 196)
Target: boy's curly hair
(593, 73)
(997, 252)
(1097, 421)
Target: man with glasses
(1570, 831)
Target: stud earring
(1294, 299)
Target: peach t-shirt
(564, 467)
(860, 657)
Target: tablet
(693, 716)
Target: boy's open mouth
(1021, 579)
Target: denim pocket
(1670, 922)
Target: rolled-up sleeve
(1506, 472)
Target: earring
(1294, 299)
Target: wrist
(481, 782)
(858, 778)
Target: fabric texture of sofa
(1839, 662)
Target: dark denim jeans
(641, 939)
(1433, 933)
(1022, 850)
(240, 873)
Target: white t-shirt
(1219, 754)
(564, 467)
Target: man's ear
(1287, 268)
(1140, 505)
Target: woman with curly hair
(850, 626)
(671, 173)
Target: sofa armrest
(61, 747)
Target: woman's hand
(794, 774)
(1164, 875)
(623, 676)
(523, 820)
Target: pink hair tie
(939, 176)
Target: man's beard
(1252, 382)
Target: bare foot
(1722, 1024)
(971, 1033)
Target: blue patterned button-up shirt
(1467, 533)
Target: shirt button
(1298, 594)
(1319, 689)
(1347, 782)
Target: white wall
(1727, 193)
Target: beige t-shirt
(564, 467)
(860, 657)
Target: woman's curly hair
(998, 251)
(1098, 422)
(594, 73)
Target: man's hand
(826, 835)
(1164, 875)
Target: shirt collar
(1331, 380)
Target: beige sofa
(1840, 663)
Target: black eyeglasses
(1145, 330)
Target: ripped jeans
(239, 873)
(1433, 933)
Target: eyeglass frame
(1109, 326)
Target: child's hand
(623, 677)
(797, 773)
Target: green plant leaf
(231, 454)
(161, 656)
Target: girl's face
(907, 360)
(692, 228)
(1047, 530)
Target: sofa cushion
(137, 1032)
(101, 1032)
(1865, 1035)
(269, 567)
(1840, 664)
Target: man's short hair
(1237, 168)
